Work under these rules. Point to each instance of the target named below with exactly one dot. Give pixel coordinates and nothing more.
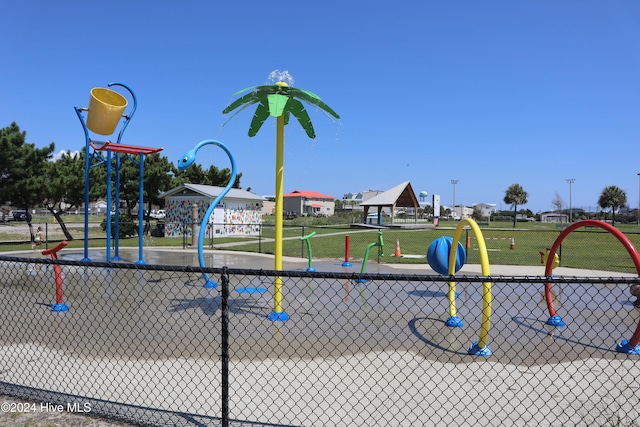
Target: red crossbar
(123, 148)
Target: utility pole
(454, 182)
(570, 181)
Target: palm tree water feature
(279, 100)
(187, 160)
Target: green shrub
(127, 226)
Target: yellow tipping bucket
(105, 109)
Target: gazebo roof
(401, 195)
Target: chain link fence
(149, 344)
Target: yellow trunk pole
(278, 312)
(479, 347)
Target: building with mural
(238, 214)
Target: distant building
(268, 207)
(461, 212)
(309, 203)
(351, 202)
(486, 209)
(554, 217)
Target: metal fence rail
(149, 344)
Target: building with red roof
(308, 203)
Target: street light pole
(570, 181)
(454, 182)
(638, 213)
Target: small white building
(238, 214)
(554, 217)
(486, 209)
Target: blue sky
(490, 93)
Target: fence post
(225, 346)
(302, 244)
(195, 225)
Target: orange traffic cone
(397, 253)
(513, 244)
(468, 242)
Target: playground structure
(59, 304)
(452, 248)
(106, 108)
(279, 100)
(307, 239)
(187, 160)
(347, 247)
(630, 346)
(442, 247)
(380, 244)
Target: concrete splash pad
(411, 313)
(127, 330)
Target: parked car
(159, 214)
(17, 215)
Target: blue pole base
(360, 281)
(347, 264)
(278, 317)
(555, 321)
(116, 258)
(85, 260)
(625, 347)
(141, 262)
(211, 284)
(454, 322)
(59, 307)
(475, 350)
(311, 270)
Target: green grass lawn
(584, 248)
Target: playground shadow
(538, 326)
(210, 305)
(453, 344)
(427, 294)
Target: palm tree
(514, 196)
(612, 197)
(279, 101)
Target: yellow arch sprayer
(446, 256)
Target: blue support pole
(118, 165)
(108, 249)
(86, 185)
(141, 212)
(116, 217)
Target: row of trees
(29, 177)
(612, 197)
